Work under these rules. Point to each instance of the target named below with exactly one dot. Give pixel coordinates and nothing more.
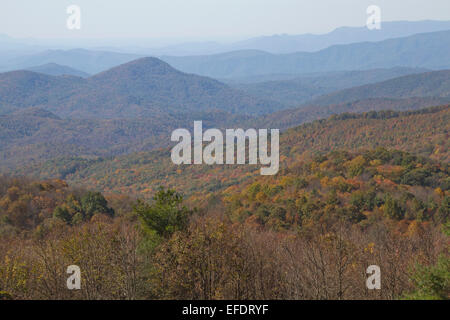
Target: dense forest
(219, 232)
(422, 132)
(309, 233)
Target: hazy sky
(202, 18)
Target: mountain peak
(137, 68)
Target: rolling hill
(409, 92)
(428, 84)
(146, 87)
(289, 118)
(301, 89)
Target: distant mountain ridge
(54, 69)
(418, 51)
(276, 44)
(307, 42)
(346, 48)
(87, 61)
(340, 36)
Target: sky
(202, 19)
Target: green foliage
(416, 177)
(61, 212)
(364, 200)
(27, 204)
(94, 203)
(165, 215)
(431, 282)
(392, 208)
(444, 210)
(77, 218)
(75, 210)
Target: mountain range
(290, 43)
(146, 87)
(417, 51)
(58, 110)
(276, 43)
(86, 169)
(344, 35)
(397, 44)
(135, 106)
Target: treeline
(386, 114)
(209, 257)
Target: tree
(165, 215)
(444, 210)
(392, 208)
(432, 282)
(62, 213)
(93, 203)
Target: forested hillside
(122, 110)
(296, 90)
(428, 84)
(35, 135)
(293, 117)
(423, 132)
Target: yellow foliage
(439, 192)
(375, 163)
